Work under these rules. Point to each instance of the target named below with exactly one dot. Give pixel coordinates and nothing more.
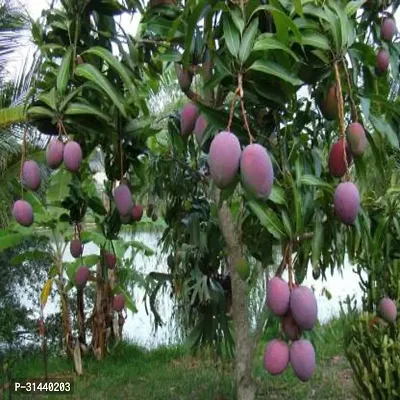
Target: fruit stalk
(354, 113)
(342, 129)
(233, 101)
(241, 93)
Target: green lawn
(171, 373)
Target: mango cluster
(56, 153)
(298, 310)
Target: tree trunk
(81, 316)
(245, 385)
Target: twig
(290, 265)
(342, 129)
(23, 158)
(354, 113)
(246, 123)
(233, 101)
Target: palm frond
(12, 26)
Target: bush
(373, 350)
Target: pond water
(139, 327)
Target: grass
(172, 373)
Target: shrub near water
(224, 158)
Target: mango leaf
(34, 200)
(272, 68)
(129, 303)
(282, 23)
(237, 19)
(268, 219)
(90, 260)
(58, 188)
(49, 98)
(277, 195)
(85, 109)
(91, 73)
(316, 39)
(194, 17)
(335, 28)
(312, 180)
(344, 23)
(140, 246)
(115, 64)
(385, 129)
(353, 6)
(231, 35)
(317, 241)
(298, 7)
(64, 72)
(44, 295)
(95, 237)
(8, 240)
(43, 112)
(287, 224)
(248, 40)
(267, 42)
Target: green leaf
(385, 129)
(141, 246)
(335, 28)
(277, 195)
(43, 112)
(58, 188)
(115, 64)
(268, 219)
(272, 68)
(231, 35)
(192, 21)
(49, 98)
(268, 42)
(282, 23)
(317, 241)
(10, 240)
(344, 23)
(312, 180)
(64, 72)
(95, 237)
(237, 19)
(353, 6)
(91, 73)
(298, 7)
(316, 40)
(44, 295)
(34, 200)
(287, 224)
(85, 109)
(248, 40)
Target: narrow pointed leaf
(64, 72)
(231, 35)
(85, 109)
(91, 73)
(248, 41)
(272, 68)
